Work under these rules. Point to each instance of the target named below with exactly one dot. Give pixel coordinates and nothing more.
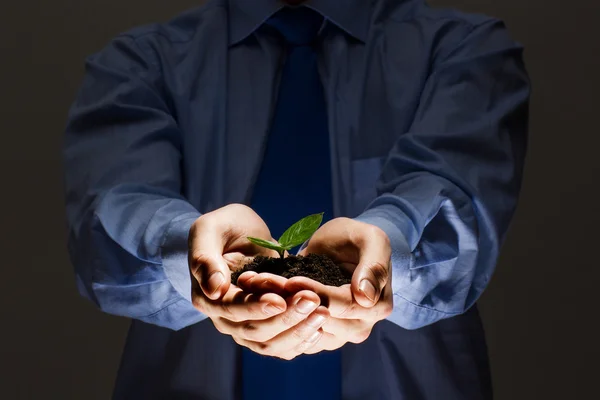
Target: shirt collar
(246, 16)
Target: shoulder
(418, 11)
(156, 41)
(442, 30)
(184, 27)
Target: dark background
(539, 311)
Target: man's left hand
(365, 251)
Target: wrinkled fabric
(427, 113)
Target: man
(405, 124)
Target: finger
(373, 270)
(336, 333)
(327, 342)
(294, 341)
(246, 276)
(299, 307)
(263, 283)
(340, 302)
(349, 329)
(206, 262)
(307, 344)
(305, 335)
(238, 305)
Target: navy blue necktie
(295, 181)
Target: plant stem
(281, 253)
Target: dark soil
(314, 266)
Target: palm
(332, 240)
(239, 250)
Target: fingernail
(314, 337)
(271, 309)
(316, 320)
(215, 281)
(368, 289)
(305, 306)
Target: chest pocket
(365, 174)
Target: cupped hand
(286, 335)
(264, 322)
(349, 322)
(365, 251)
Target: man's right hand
(265, 323)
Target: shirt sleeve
(449, 187)
(127, 220)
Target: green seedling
(294, 236)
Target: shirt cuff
(174, 255)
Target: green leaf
(266, 244)
(301, 231)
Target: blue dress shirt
(427, 113)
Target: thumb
(372, 273)
(207, 264)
